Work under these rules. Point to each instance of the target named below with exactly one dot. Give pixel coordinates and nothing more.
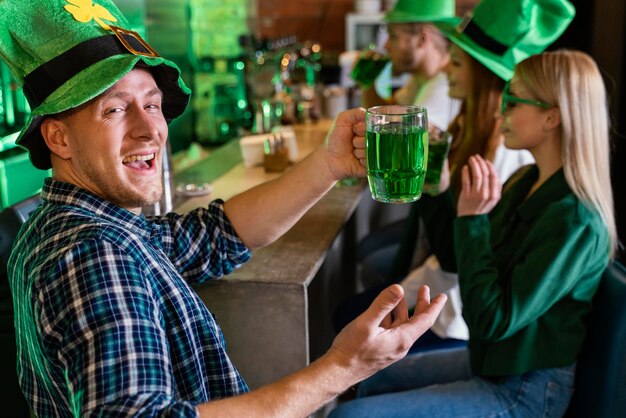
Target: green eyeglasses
(509, 100)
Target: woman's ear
(552, 119)
(54, 133)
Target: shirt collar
(552, 190)
(61, 193)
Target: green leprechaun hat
(66, 52)
(501, 33)
(408, 11)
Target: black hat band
(48, 77)
(482, 39)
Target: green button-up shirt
(528, 273)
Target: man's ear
(54, 133)
(422, 37)
(552, 119)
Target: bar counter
(275, 310)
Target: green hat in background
(66, 52)
(501, 33)
(409, 11)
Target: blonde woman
(530, 259)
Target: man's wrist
(342, 373)
(323, 165)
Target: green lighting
(224, 128)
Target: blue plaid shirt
(106, 322)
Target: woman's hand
(481, 187)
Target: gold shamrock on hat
(84, 11)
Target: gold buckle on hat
(120, 32)
(460, 28)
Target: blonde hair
(571, 80)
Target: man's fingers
(358, 141)
(400, 313)
(359, 129)
(427, 309)
(423, 298)
(436, 305)
(384, 303)
(352, 117)
(359, 153)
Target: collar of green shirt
(555, 188)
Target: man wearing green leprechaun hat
(106, 323)
(415, 46)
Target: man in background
(417, 47)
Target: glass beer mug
(396, 146)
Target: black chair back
(11, 219)
(601, 370)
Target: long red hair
(476, 129)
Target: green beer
(396, 158)
(437, 154)
(367, 68)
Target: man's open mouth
(139, 162)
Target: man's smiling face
(115, 143)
